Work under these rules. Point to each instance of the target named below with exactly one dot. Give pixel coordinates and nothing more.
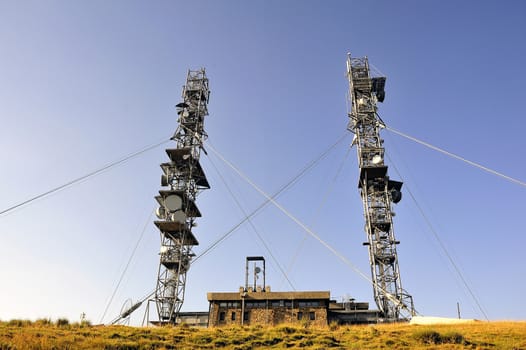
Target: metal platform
(177, 231)
(185, 162)
(373, 173)
(189, 205)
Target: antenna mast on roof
(377, 191)
(184, 178)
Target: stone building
(264, 307)
(256, 304)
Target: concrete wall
(194, 319)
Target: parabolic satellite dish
(179, 216)
(160, 212)
(173, 203)
(257, 269)
(376, 159)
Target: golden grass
(47, 336)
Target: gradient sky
(83, 83)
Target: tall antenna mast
(184, 179)
(377, 191)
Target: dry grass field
(44, 334)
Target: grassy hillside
(61, 335)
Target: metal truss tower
(377, 191)
(183, 179)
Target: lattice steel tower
(377, 191)
(184, 178)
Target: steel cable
(290, 183)
(442, 245)
(306, 228)
(84, 177)
(452, 155)
(148, 221)
(268, 201)
(324, 200)
(251, 223)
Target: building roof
(313, 295)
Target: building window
(279, 303)
(308, 303)
(256, 304)
(300, 315)
(225, 304)
(233, 316)
(245, 316)
(222, 316)
(312, 316)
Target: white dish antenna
(173, 203)
(376, 159)
(164, 249)
(161, 213)
(179, 216)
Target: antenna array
(377, 191)
(183, 178)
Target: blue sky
(85, 83)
